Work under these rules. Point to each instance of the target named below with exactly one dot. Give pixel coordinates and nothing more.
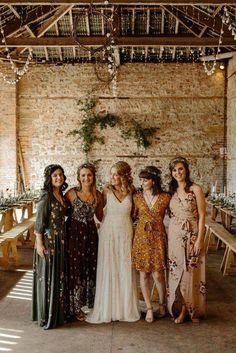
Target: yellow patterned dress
(150, 246)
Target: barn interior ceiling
(116, 32)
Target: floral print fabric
(186, 271)
(149, 247)
(81, 251)
(48, 272)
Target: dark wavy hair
(173, 185)
(92, 169)
(153, 173)
(48, 171)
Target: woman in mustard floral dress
(149, 247)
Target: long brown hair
(173, 185)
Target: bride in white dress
(116, 292)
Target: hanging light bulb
(222, 66)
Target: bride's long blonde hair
(124, 171)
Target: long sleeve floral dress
(48, 273)
(186, 271)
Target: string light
(18, 72)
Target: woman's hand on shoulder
(70, 195)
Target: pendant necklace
(149, 199)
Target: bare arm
(70, 195)
(99, 208)
(201, 206)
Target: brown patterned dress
(186, 272)
(81, 257)
(149, 247)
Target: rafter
(20, 23)
(120, 41)
(200, 16)
(61, 11)
(13, 10)
(185, 22)
(72, 31)
(119, 2)
(176, 32)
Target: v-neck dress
(81, 256)
(116, 293)
(48, 307)
(150, 246)
(186, 271)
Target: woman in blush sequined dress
(82, 242)
(149, 247)
(185, 245)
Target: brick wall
(231, 126)
(7, 135)
(181, 100)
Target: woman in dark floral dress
(82, 242)
(48, 263)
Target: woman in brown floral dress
(82, 242)
(48, 263)
(149, 247)
(185, 245)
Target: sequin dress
(186, 272)
(81, 253)
(48, 307)
(149, 247)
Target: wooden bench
(216, 230)
(8, 241)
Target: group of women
(89, 246)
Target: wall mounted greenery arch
(88, 132)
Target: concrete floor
(216, 334)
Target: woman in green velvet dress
(48, 263)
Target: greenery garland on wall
(87, 132)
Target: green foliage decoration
(140, 134)
(91, 120)
(87, 132)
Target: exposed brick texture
(231, 126)
(181, 100)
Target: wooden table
(227, 217)
(226, 214)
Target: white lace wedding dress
(116, 293)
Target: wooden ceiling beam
(119, 2)
(200, 16)
(176, 40)
(13, 10)
(35, 14)
(192, 28)
(60, 12)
